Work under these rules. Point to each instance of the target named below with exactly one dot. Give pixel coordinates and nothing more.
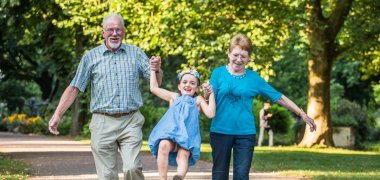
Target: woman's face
(238, 59)
(188, 85)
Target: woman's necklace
(240, 76)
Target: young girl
(176, 139)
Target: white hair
(106, 18)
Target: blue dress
(179, 124)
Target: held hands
(308, 120)
(207, 89)
(53, 125)
(155, 63)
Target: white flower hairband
(189, 71)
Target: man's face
(266, 105)
(113, 33)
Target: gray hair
(106, 18)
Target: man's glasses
(111, 30)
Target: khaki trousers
(109, 134)
(261, 136)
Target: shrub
(351, 114)
(281, 121)
(65, 125)
(152, 115)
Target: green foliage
(376, 92)
(65, 124)
(290, 73)
(281, 121)
(152, 115)
(15, 93)
(371, 146)
(42, 39)
(359, 37)
(347, 74)
(347, 113)
(205, 124)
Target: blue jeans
(222, 145)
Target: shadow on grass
(315, 161)
(319, 164)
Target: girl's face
(188, 85)
(238, 59)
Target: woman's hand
(308, 120)
(207, 90)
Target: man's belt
(117, 115)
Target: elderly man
(113, 69)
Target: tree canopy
(43, 41)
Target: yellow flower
(32, 120)
(36, 119)
(21, 116)
(12, 118)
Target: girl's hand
(207, 88)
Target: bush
(281, 121)
(347, 113)
(205, 124)
(65, 125)
(152, 115)
(351, 114)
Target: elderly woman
(233, 127)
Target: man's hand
(53, 125)
(155, 63)
(268, 115)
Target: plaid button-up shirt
(114, 78)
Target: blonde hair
(242, 41)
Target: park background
(322, 54)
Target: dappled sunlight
(329, 150)
(332, 174)
(317, 162)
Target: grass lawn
(326, 163)
(12, 169)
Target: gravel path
(61, 158)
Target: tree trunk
(79, 111)
(322, 33)
(318, 106)
(75, 127)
